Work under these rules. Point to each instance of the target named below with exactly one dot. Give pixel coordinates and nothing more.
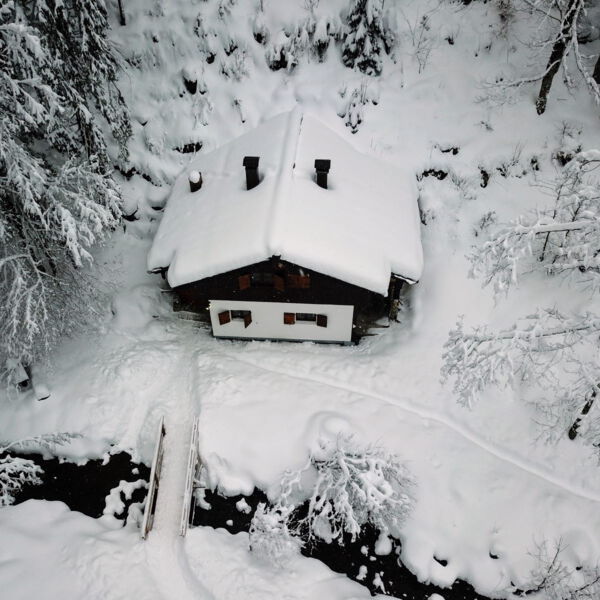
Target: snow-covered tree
(560, 240)
(84, 72)
(57, 196)
(367, 36)
(557, 39)
(15, 471)
(351, 485)
(557, 351)
(553, 579)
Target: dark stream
(84, 487)
(347, 558)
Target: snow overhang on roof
(361, 229)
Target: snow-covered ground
(485, 485)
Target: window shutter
(289, 318)
(299, 281)
(322, 320)
(244, 282)
(247, 318)
(279, 283)
(304, 282)
(224, 317)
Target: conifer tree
(57, 196)
(367, 37)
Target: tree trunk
(556, 56)
(584, 411)
(597, 71)
(121, 13)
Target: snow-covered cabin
(289, 233)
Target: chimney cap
(251, 162)
(194, 176)
(323, 165)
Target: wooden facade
(279, 281)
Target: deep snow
(485, 485)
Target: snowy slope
(485, 484)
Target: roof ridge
(280, 192)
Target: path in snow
(497, 451)
(167, 559)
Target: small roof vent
(322, 167)
(195, 179)
(251, 164)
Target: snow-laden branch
(529, 350)
(347, 485)
(555, 41)
(552, 578)
(16, 472)
(353, 485)
(563, 239)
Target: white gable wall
(267, 321)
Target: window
(293, 318)
(227, 316)
(306, 317)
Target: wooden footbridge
(192, 480)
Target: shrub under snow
(348, 485)
(270, 536)
(15, 472)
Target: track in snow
(165, 547)
(496, 451)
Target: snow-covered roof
(361, 229)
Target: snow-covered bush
(233, 64)
(310, 37)
(15, 472)
(353, 101)
(553, 579)
(555, 350)
(367, 37)
(270, 535)
(349, 485)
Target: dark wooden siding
(276, 280)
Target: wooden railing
(191, 478)
(150, 508)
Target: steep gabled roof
(361, 229)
